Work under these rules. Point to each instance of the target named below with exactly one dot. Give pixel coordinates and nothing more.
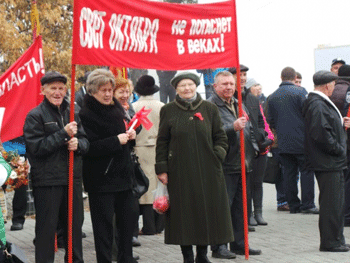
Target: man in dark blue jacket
(285, 116)
(325, 148)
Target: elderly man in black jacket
(325, 148)
(49, 136)
(224, 86)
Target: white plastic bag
(161, 198)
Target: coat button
(191, 118)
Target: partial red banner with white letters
(145, 34)
(20, 91)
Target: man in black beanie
(325, 151)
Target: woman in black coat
(107, 168)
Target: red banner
(157, 35)
(20, 91)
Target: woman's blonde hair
(120, 82)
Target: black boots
(258, 199)
(202, 255)
(187, 253)
(259, 219)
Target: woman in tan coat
(145, 149)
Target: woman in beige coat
(145, 149)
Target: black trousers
(235, 198)
(256, 184)
(331, 199)
(19, 205)
(347, 191)
(167, 92)
(51, 205)
(153, 223)
(292, 165)
(103, 206)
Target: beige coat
(146, 144)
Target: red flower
(199, 116)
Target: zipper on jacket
(109, 165)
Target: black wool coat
(191, 152)
(107, 167)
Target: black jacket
(46, 143)
(325, 138)
(253, 105)
(107, 166)
(232, 163)
(79, 96)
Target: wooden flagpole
(240, 110)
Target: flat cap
(53, 76)
(242, 68)
(338, 60)
(323, 77)
(184, 75)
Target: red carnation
(199, 116)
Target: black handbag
(273, 169)
(140, 180)
(12, 254)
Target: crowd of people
(194, 149)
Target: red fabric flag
(20, 91)
(139, 118)
(157, 35)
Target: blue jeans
(281, 194)
(293, 164)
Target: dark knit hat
(344, 72)
(242, 68)
(53, 76)
(84, 78)
(146, 85)
(251, 83)
(338, 60)
(323, 77)
(184, 75)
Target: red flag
(157, 35)
(139, 118)
(20, 91)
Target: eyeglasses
(190, 85)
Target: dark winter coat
(341, 99)
(285, 116)
(232, 163)
(46, 143)
(339, 95)
(191, 152)
(253, 105)
(79, 96)
(325, 138)
(107, 166)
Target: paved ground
(287, 238)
